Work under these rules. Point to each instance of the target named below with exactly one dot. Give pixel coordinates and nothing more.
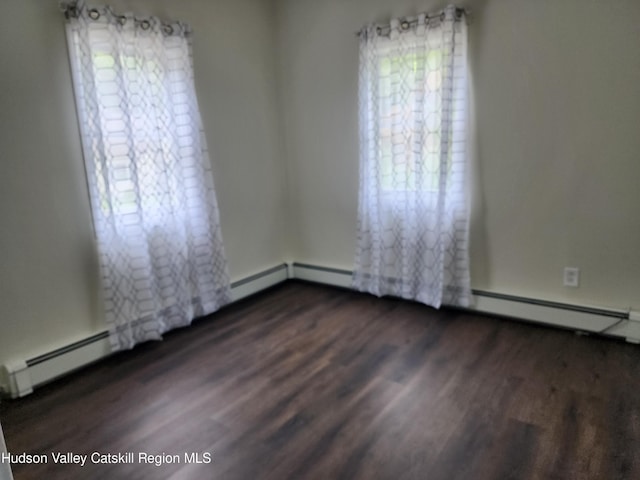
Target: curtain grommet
(168, 29)
(71, 12)
(94, 14)
(145, 24)
(122, 20)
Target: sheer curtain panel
(151, 188)
(413, 200)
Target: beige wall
(557, 173)
(48, 275)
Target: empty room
(320, 239)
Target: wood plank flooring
(312, 382)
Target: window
(409, 146)
(136, 107)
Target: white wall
(558, 150)
(49, 293)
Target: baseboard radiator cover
(584, 319)
(19, 377)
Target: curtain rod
(406, 24)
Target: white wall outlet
(571, 277)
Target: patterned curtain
(413, 206)
(154, 208)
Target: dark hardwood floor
(312, 382)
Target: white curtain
(413, 207)
(154, 208)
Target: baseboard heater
(21, 376)
(584, 319)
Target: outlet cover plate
(571, 277)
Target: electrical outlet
(571, 277)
